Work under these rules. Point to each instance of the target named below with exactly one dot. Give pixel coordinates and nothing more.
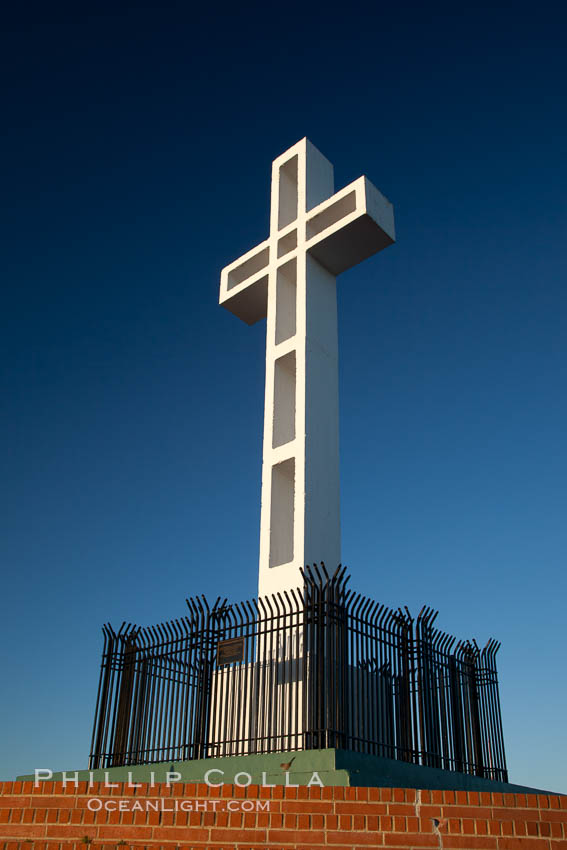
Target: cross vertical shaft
(300, 519)
(291, 279)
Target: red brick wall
(51, 817)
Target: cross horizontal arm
(340, 232)
(244, 284)
(354, 224)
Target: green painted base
(315, 767)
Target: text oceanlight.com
(95, 804)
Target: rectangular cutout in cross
(331, 215)
(287, 193)
(286, 301)
(287, 243)
(249, 267)
(284, 400)
(282, 513)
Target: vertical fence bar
(102, 700)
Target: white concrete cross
(291, 278)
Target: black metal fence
(312, 668)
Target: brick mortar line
(340, 792)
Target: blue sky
(137, 147)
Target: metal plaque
(230, 651)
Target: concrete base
(327, 767)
